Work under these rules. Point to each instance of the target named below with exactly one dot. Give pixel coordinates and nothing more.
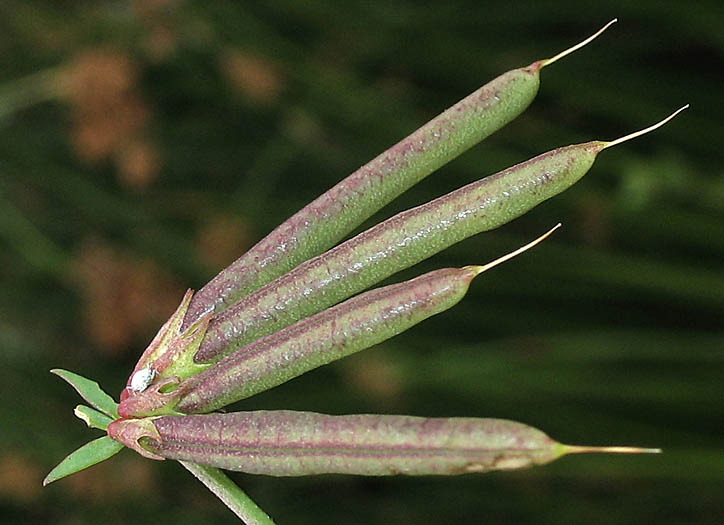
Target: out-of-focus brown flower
(151, 8)
(109, 115)
(255, 77)
(20, 478)
(159, 39)
(125, 297)
(138, 164)
(160, 42)
(221, 240)
(107, 110)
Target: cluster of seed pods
(288, 306)
(351, 326)
(255, 297)
(326, 220)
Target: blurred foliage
(144, 145)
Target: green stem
(228, 492)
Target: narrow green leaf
(92, 417)
(90, 391)
(86, 456)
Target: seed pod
(398, 243)
(349, 327)
(288, 443)
(321, 224)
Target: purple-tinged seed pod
(322, 223)
(288, 443)
(398, 243)
(336, 332)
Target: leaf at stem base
(86, 456)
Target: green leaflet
(90, 391)
(86, 456)
(92, 417)
(99, 449)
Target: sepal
(152, 401)
(130, 431)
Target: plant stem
(228, 492)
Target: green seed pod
(329, 218)
(397, 243)
(287, 443)
(349, 327)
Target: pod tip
(549, 61)
(500, 260)
(576, 449)
(635, 134)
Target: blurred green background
(145, 145)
